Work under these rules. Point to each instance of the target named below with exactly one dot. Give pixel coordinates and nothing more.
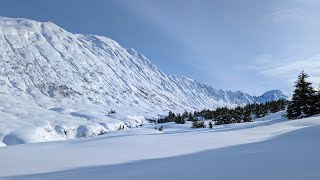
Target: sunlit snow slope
(58, 85)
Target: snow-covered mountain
(50, 77)
(271, 96)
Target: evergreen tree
(198, 124)
(282, 104)
(260, 110)
(179, 119)
(303, 97)
(185, 114)
(238, 114)
(190, 117)
(171, 116)
(247, 115)
(317, 102)
(223, 116)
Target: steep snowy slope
(78, 78)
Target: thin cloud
(288, 15)
(289, 69)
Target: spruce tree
(303, 97)
(247, 115)
(179, 119)
(185, 114)
(238, 114)
(190, 117)
(171, 116)
(317, 102)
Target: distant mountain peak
(271, 95)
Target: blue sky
(246, 45)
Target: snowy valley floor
(270, 148)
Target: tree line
(226, 115)
(305, 102)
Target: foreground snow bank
(293, 156)
(108, 155)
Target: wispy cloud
(288, 15)
(295, 12)
(287, 70)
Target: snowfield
(268, 148)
